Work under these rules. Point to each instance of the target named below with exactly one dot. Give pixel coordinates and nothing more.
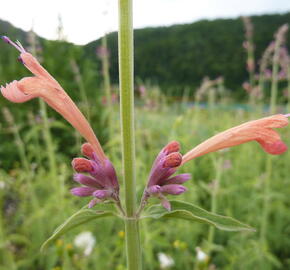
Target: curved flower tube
(260, 130)
(162, 183)
(44, 86)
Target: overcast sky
(87, 20)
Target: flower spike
(102, 184)
(44, 86)
(160, 182)
(260, 130)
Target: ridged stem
(127, 127)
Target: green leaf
(188, 211)
(82, 216)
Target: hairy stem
(127, 127)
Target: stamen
(20, 45)
(17, 45)
(20, 60)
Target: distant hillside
(174, 57)
(181, 55)
(7, 28)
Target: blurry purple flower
(281, 33)
(101, 183)
(249, 29)
(102, 52)
(246, 45)
(250, 64)
(257, 76)
(256, 92)
(268, 74)
(227, 164)
(247, 87)
(282, 75)
(114, 99)
(142, 90)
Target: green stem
(288, 88)
(127, 102)
(79, 80)
(107, 84)
(106, 74)
(21, 149)
(6, 255)
(48, 140)
(127, 127)
(274, 85)
(251, 57)
(266, 201)
(134, 259)
(211, 98)
(267, 187)
(214, 197)
(262, 83)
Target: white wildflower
(201, 255)
(86, 242)
(2, 184)
(165, 260)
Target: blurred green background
(192, 81)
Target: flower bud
(88, 150)
(154, 189)
(178, 179)
(102, 194)
(173, 189)
(171, 147)
(82, 165)
(87, 181)
(172, 160)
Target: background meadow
(192, 81)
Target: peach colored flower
(258, 130)
(44, 86)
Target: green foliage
(33, 202)
(81, 217)
(190, 212)
(180, 56)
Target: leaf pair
(179, 210)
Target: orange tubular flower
(43, 85)
(258, 130)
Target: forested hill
(181, 55)
(174, 57)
